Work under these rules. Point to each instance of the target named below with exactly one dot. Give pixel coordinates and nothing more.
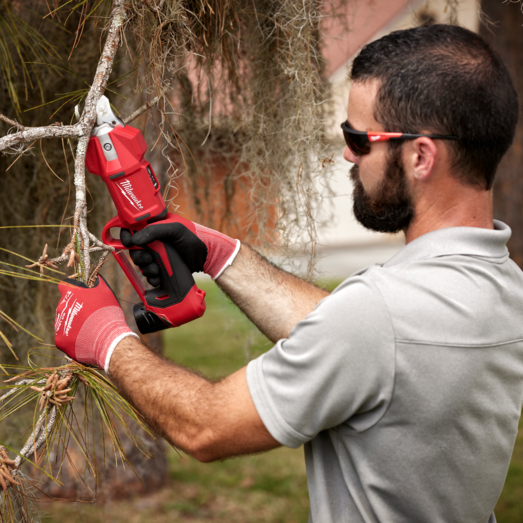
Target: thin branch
(141, 110)
(38, 436)
(105, 65)
(30, 134)
(45, 423)
(19, 384)
(100, 244)
(14, 123)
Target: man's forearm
(207, 420)
(215, 420)
(274, 300)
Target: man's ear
(422, 158)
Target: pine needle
(16, 324)
(9, 345)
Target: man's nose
(350, 156)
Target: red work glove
(89, 322)
(202, 249)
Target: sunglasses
(359, 142)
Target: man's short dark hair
(446, 80)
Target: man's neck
(458, 206)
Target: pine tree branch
(87, 121)
(81, 130)
(38, 437)
(30, 134)
(141, 110)
(88, 117)
(14, 123)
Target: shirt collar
(471, 241)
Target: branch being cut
(30, 134)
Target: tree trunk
(506, 36)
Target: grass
(270, 487)
(219, 343)
(510, 505)
(264, 488)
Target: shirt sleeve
(336, 366)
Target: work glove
(202, 249)
(89, 322)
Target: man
(406, 383)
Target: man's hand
(89, 322)
(202, 249)
(273, 299)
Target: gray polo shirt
(405, 384)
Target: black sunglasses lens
(357, 143)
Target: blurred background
(270, 487)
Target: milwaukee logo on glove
(69, 312)
(89, 322)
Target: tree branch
(37, 437)
(100, 244)
(87, 121)
(105, 66)
(29, 134)
(14, 123)
(81, 130)
(141, 110)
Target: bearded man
(405, 384)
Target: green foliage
(22, 47)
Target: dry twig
(14, 123)
(141, 110)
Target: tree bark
(506, 36)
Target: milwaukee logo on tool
(127, 191)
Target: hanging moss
(243, 134)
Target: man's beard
(390, 209)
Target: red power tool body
(116, 154)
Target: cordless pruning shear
(116, 154)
